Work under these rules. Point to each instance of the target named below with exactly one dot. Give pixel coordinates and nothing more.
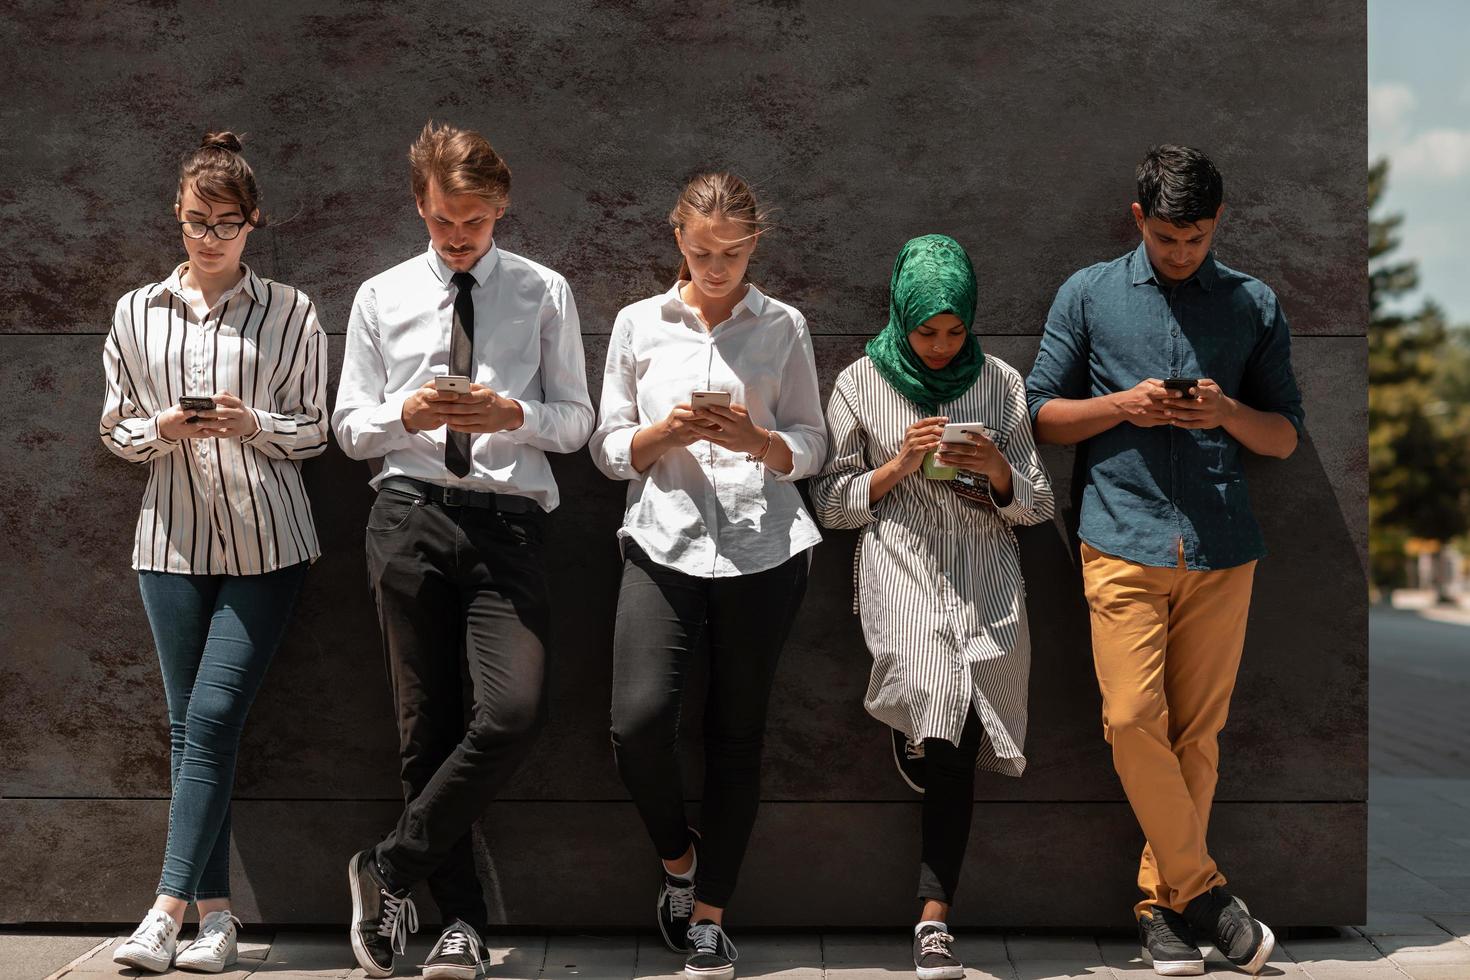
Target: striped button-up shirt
(938, 578)
(219, 506)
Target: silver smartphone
(704, 399)
(955, 431)
(456, 383)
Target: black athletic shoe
(676, 904)
(1224, 920)
(381, 918)
(934, 957)
(909, 758)
(711, 954)
(457, 954)
(1168, 943)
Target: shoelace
(681, 898)
(216, 932)
(935, 941)
(913, 750)
(400, 917)
(1236, 919)
(708, 937)
(457, 939)
(152, 932)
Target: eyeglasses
(223, 230)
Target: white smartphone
(704, 399)
(455, 383)
(955, 431)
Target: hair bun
(224, 140)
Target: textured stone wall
(1013, 127)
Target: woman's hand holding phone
(228, 419)
(976, 454)
(919, 440)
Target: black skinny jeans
(662, 614)
(949, 804)
(456, 585)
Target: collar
(249, 282)
(480, 270)
(753, 300)
(1141, 270)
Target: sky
(1419, 117)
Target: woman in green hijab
(932, 459)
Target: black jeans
(456, 585)
(949, 804)
(662, 614)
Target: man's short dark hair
(1179, 184)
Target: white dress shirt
(702, 509)
(219, 506)
(527, 346)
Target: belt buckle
(454, 497)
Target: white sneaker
(216, 946)
(151, 946)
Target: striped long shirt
(219, 506)
(937, 579)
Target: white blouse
(219, 506)
(702, 509)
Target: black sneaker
(1226, 922)
(1168, 943)
(934, 957)
(908, 756)
(457, 955)
(381, 918)
(676, 903)
(711, 954)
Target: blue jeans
(216, 635)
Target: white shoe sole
(1175, 968)
(723, 973)
(139, 961)
(940, 972)
(359, 951)
(1268, 946)
(450, 972)
(206, 966)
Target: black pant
(662, 614)
(949, 803)
(452, 579)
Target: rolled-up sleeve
(840, 493)
(799, 409)
(1031, 495)
(619, 422)
(1269, 383)
(1060, 370)
(298, 430)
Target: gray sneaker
(457, 955)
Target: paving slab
(590, 958)
(37, 954)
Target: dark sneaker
(676, 904)
(381, 918)
(1224, 920)
(457, 955)
(934, 957)
(908, 756)
(711, 954)
(1168, 943)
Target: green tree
(1418, 465)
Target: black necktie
(461, 346)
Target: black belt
(505, 503)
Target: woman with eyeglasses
(216, 382)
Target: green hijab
(932, 275)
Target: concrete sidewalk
(1418, 885)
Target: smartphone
(196, 403)
(704, 399)
(455, 383)
(1181, 385)
(955, 431)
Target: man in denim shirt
(1163, 364)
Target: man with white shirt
(454, 537)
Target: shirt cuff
(856, 508)
(532, 414)
(617, 452)
(801, 460)
(1023, 497)
(151, 434)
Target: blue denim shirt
(1114, 324)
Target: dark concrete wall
(1014, 127)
